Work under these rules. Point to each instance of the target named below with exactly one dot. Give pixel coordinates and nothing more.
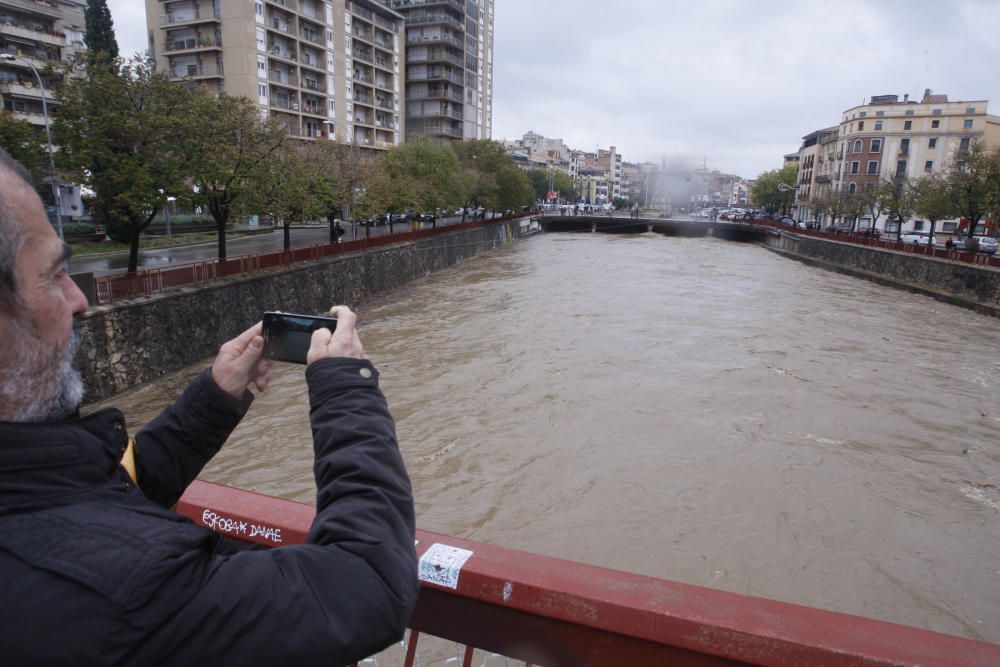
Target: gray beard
(39, 385)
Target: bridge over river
(733, 231)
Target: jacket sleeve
(345, 594)
(173, 448)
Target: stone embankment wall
(967, 285)
(136, 341)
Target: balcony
(37, 33)
(435, 39)
(434, 19)
(283, 78)
(196, 72)
(436, 75)
(444, 130)
(364, 56)
(282, 52)
(292, 5)
(824, 179)
(311, 36)
(193, 43)
(436, 93)
(363, 99)
(281, 26)
(43, 7)
(284, 103)
(197, 16)
(310, 84)
(24, 88)
(435, 55)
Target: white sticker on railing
(442, 564)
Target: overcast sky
(733, 83)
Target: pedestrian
(97, 570)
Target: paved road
(246, 245)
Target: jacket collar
(41, 462)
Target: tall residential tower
(449, 68)
(323, 69)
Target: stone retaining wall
(958, 283)
(136, 341)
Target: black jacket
(94, 571)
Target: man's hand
(343, 342)
(239, 363)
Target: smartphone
(287, 336)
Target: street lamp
(48, 136)
(785, 187)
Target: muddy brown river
(694, 409)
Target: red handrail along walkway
(553, 612)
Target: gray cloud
(732, 82)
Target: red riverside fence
(553, 612)
(153, 281)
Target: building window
(862, 114)
(879, 113)
(857, 146)
(907, 124)
(861, 125)
(960, 165)
(908, 112)
(878, 125)
(949, 227)
(904, 146)
(970, 110)
(259, 8)
(935, 123)
(876, 146)
(928, 166)
(872, 167)
(963, 145)
(855, 167)
(968, 124)
(918, 225)
(932, 143)
(938, 112)
(901, 168)
(852, 188)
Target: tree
(229, 146)
(495, 182)
(974, 184)
(122, 131)
(100, 30)
(542, 180)
(766, 193)
(343, 170)
(20, 139)
(932, 200)
(286, 187)
(896, 199)
(421, 175)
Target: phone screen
(287, 336)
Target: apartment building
(888, 137)
(35, 33)
(815, 168)
(324, 69)
(449, 68)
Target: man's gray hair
(11, 171)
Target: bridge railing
(548, 611)
(147, 282)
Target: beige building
(449, 68)
(35, 33)
(888, 137)
(324, 70)
(814, 171)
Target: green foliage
(620, 203)
(767, 195)
(229, 147)
(974, 189)
(542, 179)
(420, 175)
(496, 183)
(123, 132)
(78, 229)
(100, 30)
(20, 139)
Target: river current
(694, 409)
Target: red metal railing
(859, 238)
(152, 281)
(554, 612)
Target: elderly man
(96, 569)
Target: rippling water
(693, 409)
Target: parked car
(984, 244)
(915, 238)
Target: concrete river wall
(132, 342)
(967, 285)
